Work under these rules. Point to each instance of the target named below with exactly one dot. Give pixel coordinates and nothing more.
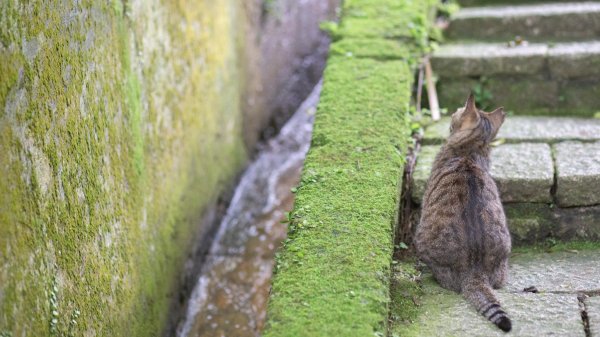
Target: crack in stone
(554, 175)
(586, 293)
(404, 228)
(584, 315)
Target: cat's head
(471, 126)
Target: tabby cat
(462, 235)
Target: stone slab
(553, 311)
(574, 60)
(517, 129)
(560, 60)
(444, 313)
(592, 306)
(527, 94)
(578, 173)
(523, 172)
(477, 3)
(529, 223)
(479, 59)
(557, 21)
(577, 223)
(579, 95)
(567, 271)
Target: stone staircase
(552, 69)
(546, 164)
(537, 22)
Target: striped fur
(462, 235)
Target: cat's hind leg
(499, 275)
(446, 277)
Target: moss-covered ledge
(333, 275)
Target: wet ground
(230, 297)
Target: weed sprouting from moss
(53, 302)
(483, 97)
(73, 323)
(448, 8)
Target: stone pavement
(545, 162)
(567, 282)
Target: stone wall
(285, 57)
(121, 123)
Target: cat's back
(461, 198)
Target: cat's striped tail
(479, 293)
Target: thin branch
(434, 105)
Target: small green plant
(73, 323)
(271, 8)
(550, 242)
(447, 9)
(55, 329)
(53, 308)
(483, 97)
(331, 28)
(268, 5)
(419, 31)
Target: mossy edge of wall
(333, 273)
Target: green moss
(112, 147)
(529, 222)
(388, 19)
(405, 293)
(336, 264)
(379, 49)
(333, 275)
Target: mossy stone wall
(120, 122)
(333, 275)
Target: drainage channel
(230, 296)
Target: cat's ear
(470, 104)
(497, 116)
(499, 112)
(470, 116)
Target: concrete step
(549, 184)
(566, 282)
(478, 3)
(533, 22)
(523, 172)
(529, 129)
(542, 79)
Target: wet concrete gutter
(333, 275)
(229, 298)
